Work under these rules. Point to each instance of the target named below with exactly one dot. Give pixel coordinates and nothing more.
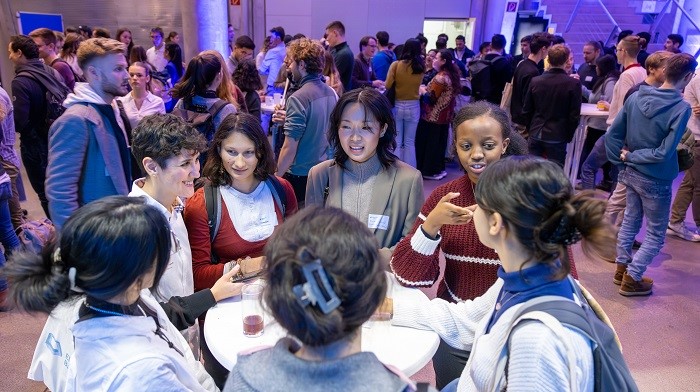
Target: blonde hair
(93, 48)
(657, 60)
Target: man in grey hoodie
(89, 154)
(642, 141)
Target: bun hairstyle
(538, 205)
(348, 254)
(107, 244)
(632, 44)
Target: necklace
(500, 303)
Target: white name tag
(588, 78)
(380, 222)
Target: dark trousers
(431, 141)
(35, 157)
(555, 152)
(299, 186)
(592, 137)
(448, 363)
(16, 213)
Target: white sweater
(537, 357)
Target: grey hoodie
(650, 125)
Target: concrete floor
(658, 332)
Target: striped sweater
(470, 267)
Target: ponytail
(38, 283)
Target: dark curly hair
(246, 76)
(249, 126)
(163, 136)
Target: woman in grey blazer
(365, 178)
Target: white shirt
(177, 278)
(151, 105)
(253, 214)
(157, 57)
(692, 96)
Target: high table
(405, 348)
(574, 149)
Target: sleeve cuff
(423, 244)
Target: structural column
(204, 26)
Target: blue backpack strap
(212, 202)
(278, 193)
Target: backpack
(76, 77)
(212, 202)
(199, 117)
(34, 235)
(161, 85)
(610, 369)
(55, 94)
(480, 71)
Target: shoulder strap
(217, 107)
(125, 119)
(212, 202)
(278, 193)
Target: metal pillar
(205, 24)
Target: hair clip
(71, 278)
(317, 290)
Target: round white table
(267, 107)
(405, 348)
(574, 149)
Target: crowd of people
(166, 180)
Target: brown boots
(630, 287)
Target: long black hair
(412, 54)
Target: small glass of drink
(253, 319)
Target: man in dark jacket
(29, 87)
(342, 54)
(527, 70)
(553, 108)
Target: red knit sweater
(470, 267)
(228, 244)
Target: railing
(593, 27)
(660, 15)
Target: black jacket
(501, 73)
(524, 73)
(553, 106)
(29, 101)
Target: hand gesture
(224, 288)
(446, 213)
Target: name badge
(380, 222)
(588, 78)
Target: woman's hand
(446, 213)
(251, 264)
(224, 288)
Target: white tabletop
(591, 110)
(267, 107)
(407, 349)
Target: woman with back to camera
(247, 78)
(528, 213)
(482, 135)
(323, 352)
(405, 75)
(108, 254)
(365, 178)
(331, 74)
(437, 110)
(69, 51)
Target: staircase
(591, 23)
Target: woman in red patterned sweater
(481, 137)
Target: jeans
(15, 207)
(35, 158)
(407, 114)
(646, 197)
(688, 192)
(595, 160)
(7, 233)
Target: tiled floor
(658, 333)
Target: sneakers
(620, 272)
(436, 177)
(633, 288)
(681, 231)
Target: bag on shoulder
(610, 369)
(199, 117)
(34, 235)
(55, 94)
(212, 203)
(686, 157)
(480, 71)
